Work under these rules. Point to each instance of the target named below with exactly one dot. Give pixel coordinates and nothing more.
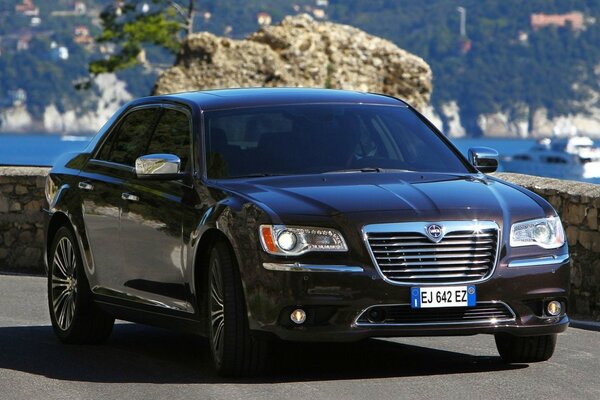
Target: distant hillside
(503, 64)
(508, 72)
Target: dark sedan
(253, 215)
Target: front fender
(237, 222)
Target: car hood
(379, 196)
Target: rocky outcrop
(300, 52)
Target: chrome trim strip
(417, 227)
(298, 267)
(539, 262)
(489, 321)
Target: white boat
(575, 158)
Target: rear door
(101, 184)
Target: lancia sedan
(255, 215)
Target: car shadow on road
(141, 354)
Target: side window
(131, 138)
(172, 136)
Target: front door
(153, 213)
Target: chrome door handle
(129, 197)
(85, 186)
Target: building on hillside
(574, 20)
(79, 8)
(27, 7)
(23, 42)
(81, 35)
(17, 97)
(263, 18)
(319, 13)
(465, 46)
(107, 48)
(523, 37)
(58, 53)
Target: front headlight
(296, 240)
(544, 232)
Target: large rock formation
(300, 52)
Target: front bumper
(335, 296)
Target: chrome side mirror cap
(484, 159)
(158, 166)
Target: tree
(133, 24)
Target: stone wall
(21, 228)
(21, 223)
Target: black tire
(236, 352)
(75, 318)
(525, 349)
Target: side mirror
(158, 166)
(484, 159)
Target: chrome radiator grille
(404, 253)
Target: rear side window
(131, 138)
(172, 136)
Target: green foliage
(132, 29)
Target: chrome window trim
(298, 267)
(539, 261)
(470, 322)
(419, 227)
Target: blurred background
(522, 77)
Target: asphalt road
(141, 362)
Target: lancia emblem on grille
(434, 232)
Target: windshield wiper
(366, 169)
(255, 175)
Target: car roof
(256, 97)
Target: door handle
(129, 197)
(85, 186)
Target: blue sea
(43, 150)
(38, 150)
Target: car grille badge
(434, 232)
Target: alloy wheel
(217, 310)
(64, 283)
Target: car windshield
(321, 138)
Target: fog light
(554, 308)
(298, 316)
(376, 315)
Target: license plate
(443, 296)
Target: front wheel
(74, 316)
(525, 349)
(235, 350)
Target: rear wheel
(235, 350)
(75, 318)
(525, 349)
